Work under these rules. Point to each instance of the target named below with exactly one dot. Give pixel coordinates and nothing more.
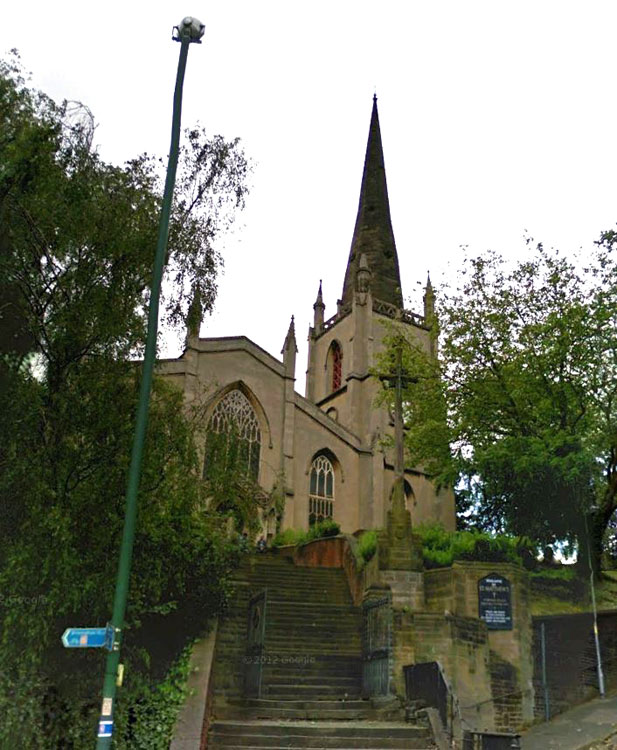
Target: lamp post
(593, 607)
(190, 30)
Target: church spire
(290, 350)
(373, 235)
(290, 339)
(318, 311)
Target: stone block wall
(407, 588)
(403, 648)
(439, 590)
(460, 645)
(507, 703)
(490, 670)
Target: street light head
(189, 28)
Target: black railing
(426, 682)
(491, 741)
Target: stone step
(297, 635)
(297, 629)
(334, 575)
(305, 651)
(259, 584)
(283, 691)
(309, 615)
(244, 713)
(267, 576)
(352, 704)
(291, 639)
(306, 606)
(283, 672)
(299, 734)
(275, 742)
(310, 596)
(281, 676)
(305, 574)
(319, 582)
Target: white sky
(497, 118)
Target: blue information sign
(89, 638)
(106, 728)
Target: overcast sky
(498, 119)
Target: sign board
(495, 602)
(106, 728)
(88, 637)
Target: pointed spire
(319, 300)
(290, 350)
(429, 299)
(290, 339)
(194, 316)
(318, 312)
(373, 233)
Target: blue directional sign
(106, 728)
(89, 638)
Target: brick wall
(571, 669)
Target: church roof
(373, 235)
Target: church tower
(323, 455)
(342, 348)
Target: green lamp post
(189, 31)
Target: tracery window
(321, 490)
(234, 437)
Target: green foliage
(441, 548)
(323, 529)
(558, 573)
(229, 484)
(78, 234)
(519, 410)
(289, 537)
(367, 545)
(77, 237)
(149, 712)
(320, 530)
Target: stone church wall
(310, 440)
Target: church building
(325, 450)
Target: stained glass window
(234, 437)
(321, 490)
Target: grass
(557, 591)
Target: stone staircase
(312, 668)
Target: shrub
(298, 536)
(289, 536)
(367, 545)
(440, 548)
(323, 529)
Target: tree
(78, 234)
(519, 410)
(77, 242)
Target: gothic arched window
(321, 490)
(233, 436)
(335, 366)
